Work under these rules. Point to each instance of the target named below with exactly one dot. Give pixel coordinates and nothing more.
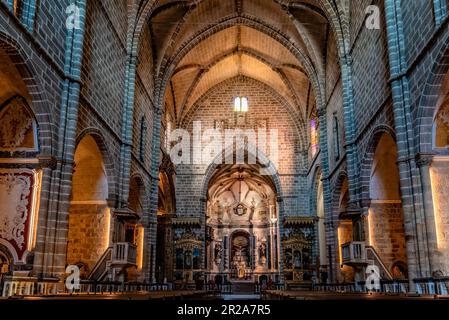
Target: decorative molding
(424, 159)
(89, 202)
(295, 221)
(15, 122)
(386, 201)
(18, 194)
(19, 160)
(186, 221)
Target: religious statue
(262, 253)
(298, 263)
(240, 262)
(218, 253)
(188, 259)
(288, 259)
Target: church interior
(258, 147)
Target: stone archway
(240, 201)
(385, 213)
(438, 167)
(20, 180)
(89, 222)
(164, 242)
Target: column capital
(364, 205)
(348, 59)
(424, 159)
(321, 112)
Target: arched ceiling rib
(238, 48)
(235, 65)
(226, 175)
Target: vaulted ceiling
(198, 44)
(226, 176)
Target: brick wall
(263, 104)
(387, 227)
(88, 234)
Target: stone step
(243, 287)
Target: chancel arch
(241, 221)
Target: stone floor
(314, 295)
(235, 297)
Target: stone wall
(88, 234)
(387, 227)
(265, 107)
(440, 188)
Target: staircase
(358, 254)
(243, 287)
(101, 268)
(374, 259)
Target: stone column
(349, 122)
(327, 199)
(414, 221)
(51, 262)
(424, 161)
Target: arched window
(241, 104)
(168, 131)
(314, 135)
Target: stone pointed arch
(230, 150)
(168, 69)
(299, 122)
(100, 140)
(39, 103)
(368, 158)
(426, 109)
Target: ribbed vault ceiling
(200, 44)
(226, 175)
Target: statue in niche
(288, 259)
(297, 260)
(218, 253)
(219, 211)
(188, 259)
(262, 253)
